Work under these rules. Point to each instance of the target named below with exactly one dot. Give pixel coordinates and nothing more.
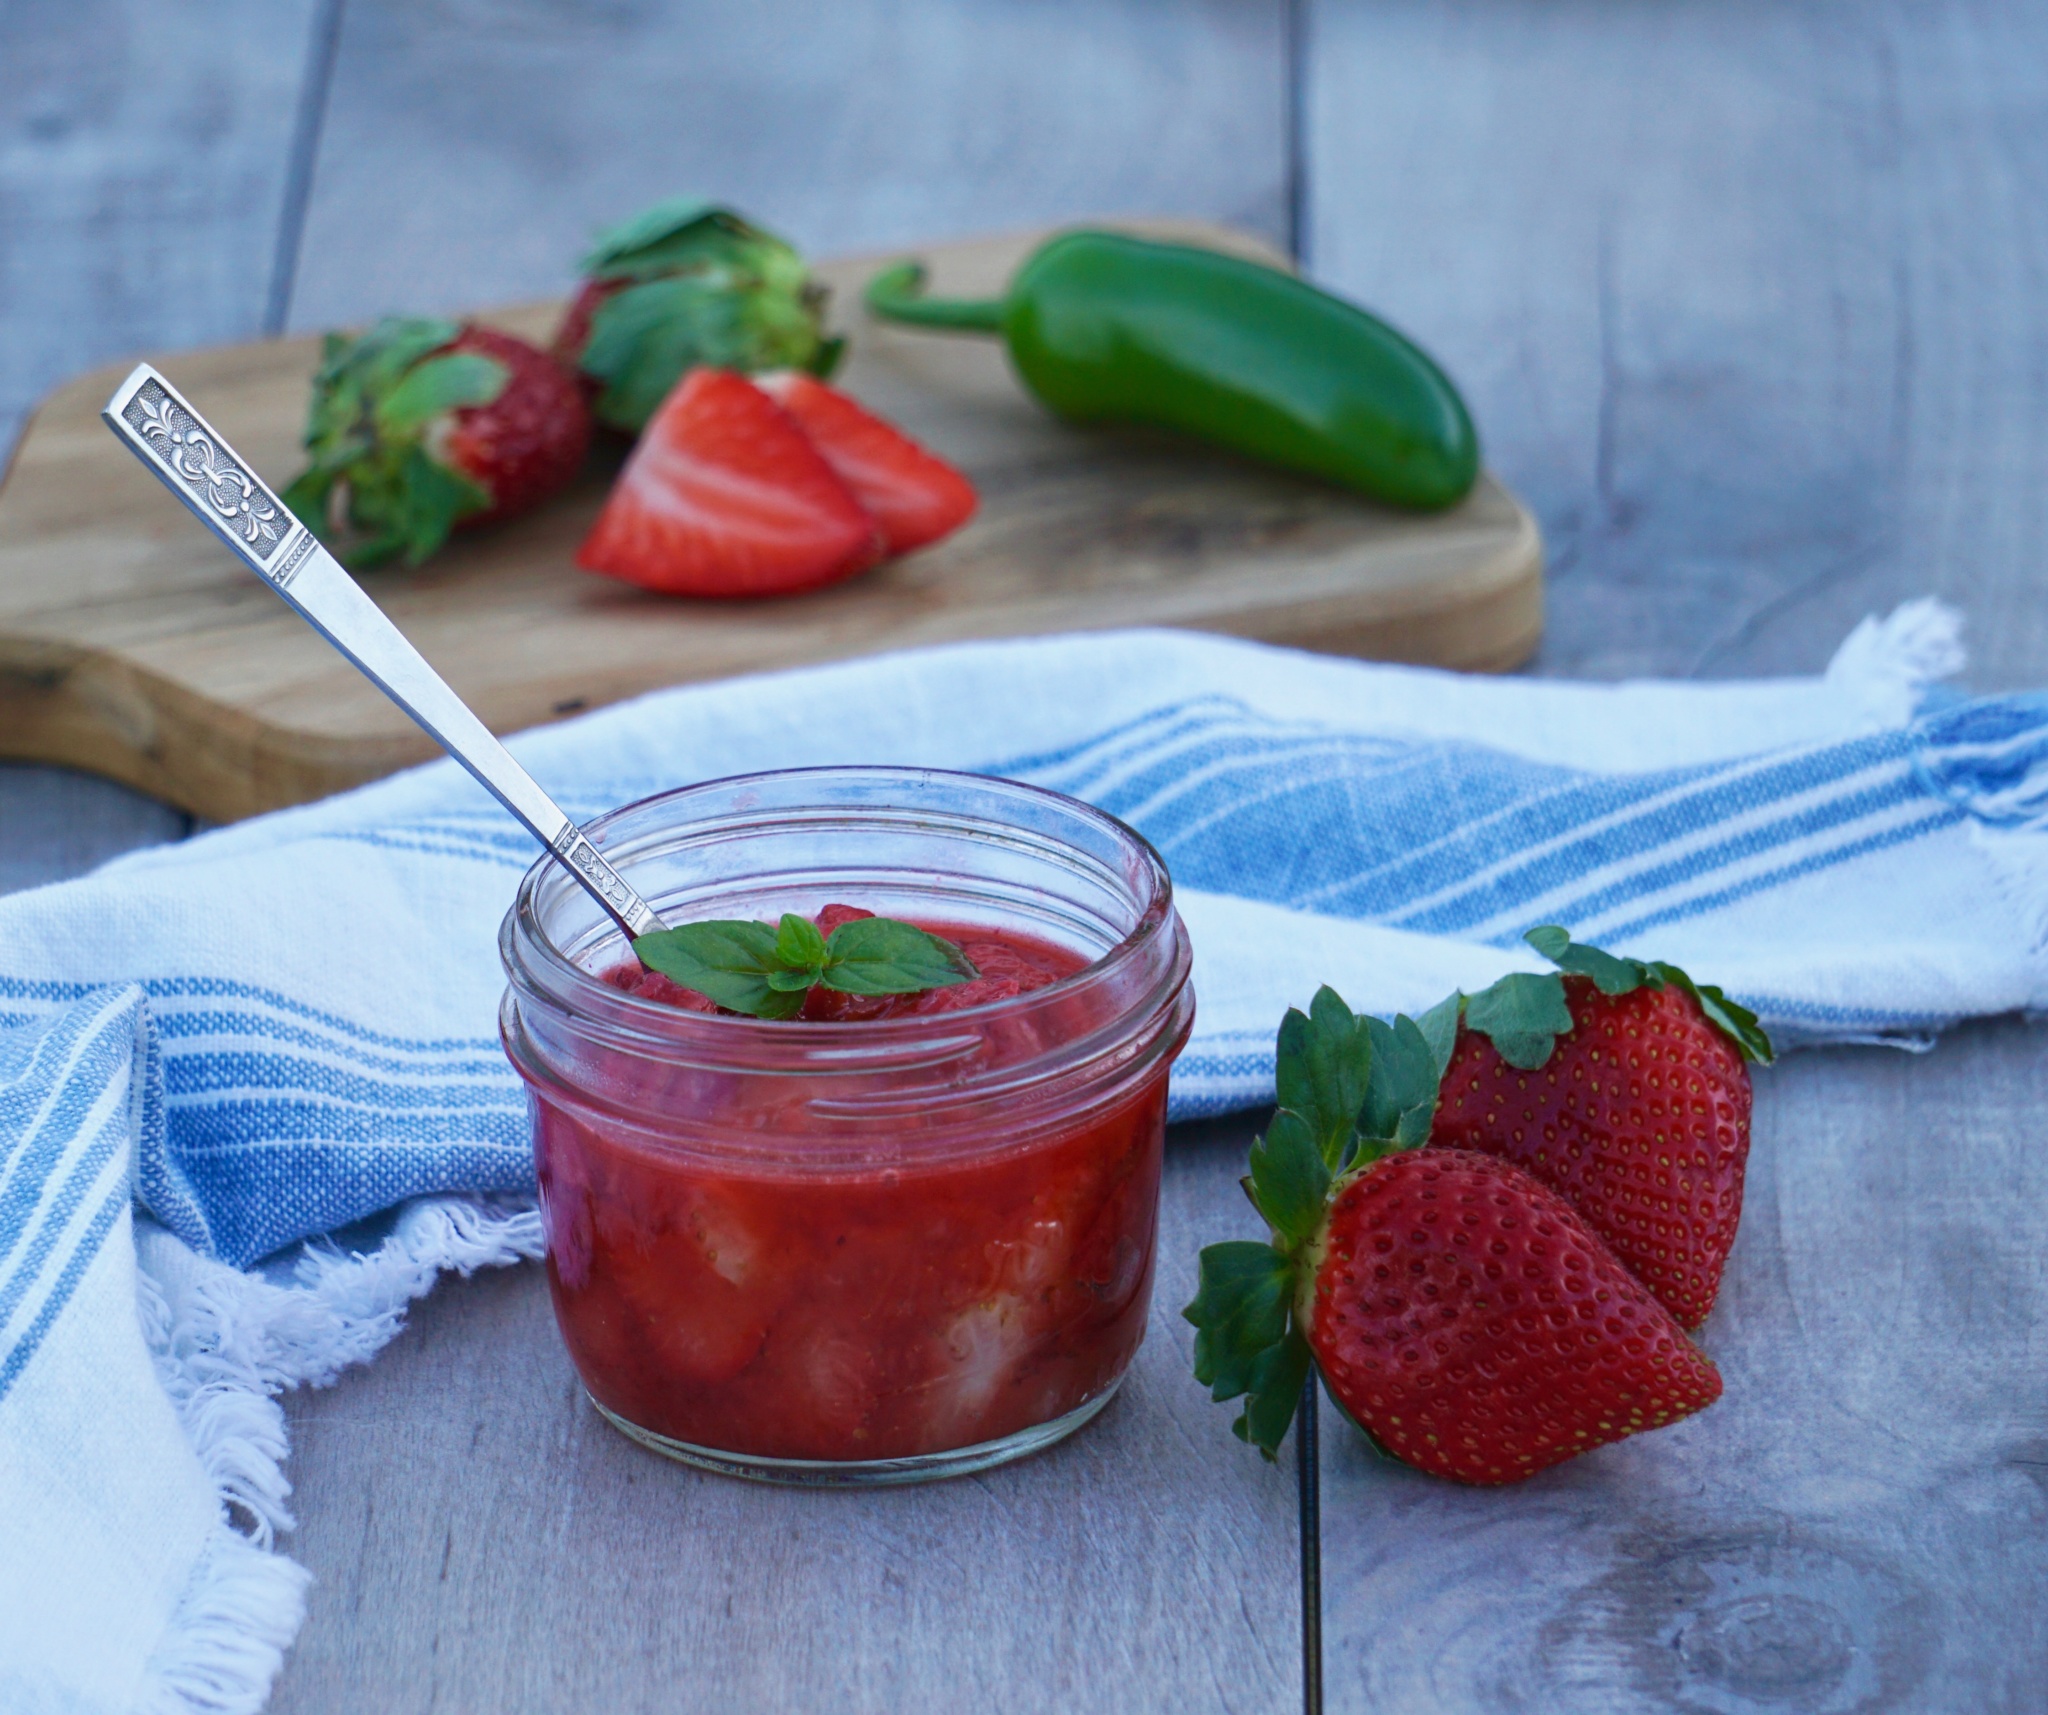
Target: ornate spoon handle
(212, 479)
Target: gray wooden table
(1749, 300)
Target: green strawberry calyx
(697, 284)
(376, 400)
(765, 969)
(1351, 1090)
(1524, 1013)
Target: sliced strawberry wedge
(914, 495)
(725, 496)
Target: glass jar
(854, 1251)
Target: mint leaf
(877, 955)
(798, 943)
(1400, 1097)
(440, 384)
(728, 961)
(800, 951)
(1290, 1179)
(1322, 1064)
(1524, 1014)
(1610, 974)
(765, 970)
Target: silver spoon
(161, 429)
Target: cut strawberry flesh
(632, 977)
(914, 495)
(724, 495)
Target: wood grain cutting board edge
(132, 646)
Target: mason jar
(854, 1250)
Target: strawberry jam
(857, 1314)
(892, 1237)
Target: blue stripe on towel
(68, 1113)
(274, 1119)
(1450, 838)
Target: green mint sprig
(765, 969)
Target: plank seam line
(1294, 96)
(307, 125)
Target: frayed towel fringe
(226, 1642)
(366, 1295)
(1890, 664)
(224, 1344)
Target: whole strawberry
(682, 285)
(1623, 1086)
(1460, 1313)
(420, 427)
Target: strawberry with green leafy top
(682, 285)
(1461, 1313)
(1623, 1086)
(420, 427)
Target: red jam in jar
(895, 1237)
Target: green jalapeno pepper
(1102, 326)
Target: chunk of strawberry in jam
(834, 915)
(980, 992)
(636, 979)
(1029, 967)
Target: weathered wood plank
(470, 149)
(482, 1540)
(1747, 299)
(144, 155)
(1857, 1525)
(55, 824)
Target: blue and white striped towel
(1857, 856)
(1851, 863)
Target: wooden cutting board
(133, 646)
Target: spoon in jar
(190, 459)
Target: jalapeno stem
(897, 295)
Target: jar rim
(539, 967)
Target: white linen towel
(284, 1026)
